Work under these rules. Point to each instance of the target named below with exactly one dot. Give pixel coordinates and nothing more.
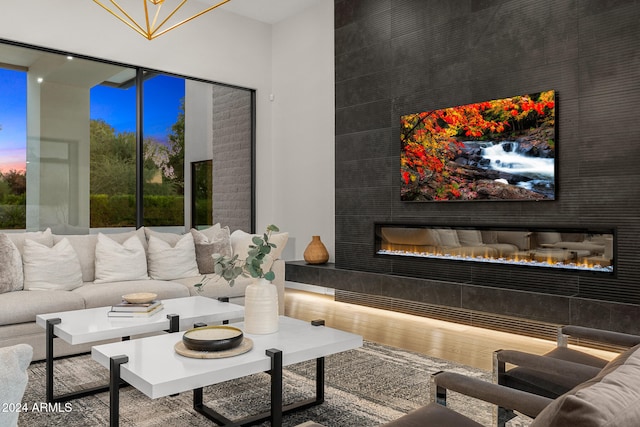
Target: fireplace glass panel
(582, 250)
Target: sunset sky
(13, 120)
(114, 106)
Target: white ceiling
(269, 11)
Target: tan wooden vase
(316, 252)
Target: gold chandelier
(154, 22)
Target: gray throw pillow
(206, 246)
(11, 275)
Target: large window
(112, 157)
(87, 144)
(164, 144)
(13, 156)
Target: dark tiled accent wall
(395, 57)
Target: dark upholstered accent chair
(436, 414)
(540, 376)
(610, 398)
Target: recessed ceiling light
(40, 80)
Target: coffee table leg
(277, 409)
(114, 389)
(276, 386)
(49, 356)
(224, 299)
(174, 323)
(319, 380)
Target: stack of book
(127, 309)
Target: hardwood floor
(458, 343)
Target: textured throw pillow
(55, 268)
(11, 277)
(167, 262)
(117, 262)
(208, 244)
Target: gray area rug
(364, 387)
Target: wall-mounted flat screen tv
(504, 149)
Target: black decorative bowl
(212, 338)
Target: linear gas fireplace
(588, 250)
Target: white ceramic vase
(261, 308)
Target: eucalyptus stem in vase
(261, 313)
(230, 267)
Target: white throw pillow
(56, 268)
(170, 238)
(117, 262)
(241, 240)
(168, 262)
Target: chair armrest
(548, 365)
(598, 335)
(509, 398)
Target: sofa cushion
(97, 295)
(612, 398)
(116, 262)
(45, 237)
(11, 277)
(167, 262)
(209, 243)
(23, 306)
(52, 268)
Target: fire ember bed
(582, 250)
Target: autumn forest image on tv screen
(504, 149)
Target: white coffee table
(152, 366)
(93, 324)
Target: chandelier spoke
(150, 28)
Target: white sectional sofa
(42, 272)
